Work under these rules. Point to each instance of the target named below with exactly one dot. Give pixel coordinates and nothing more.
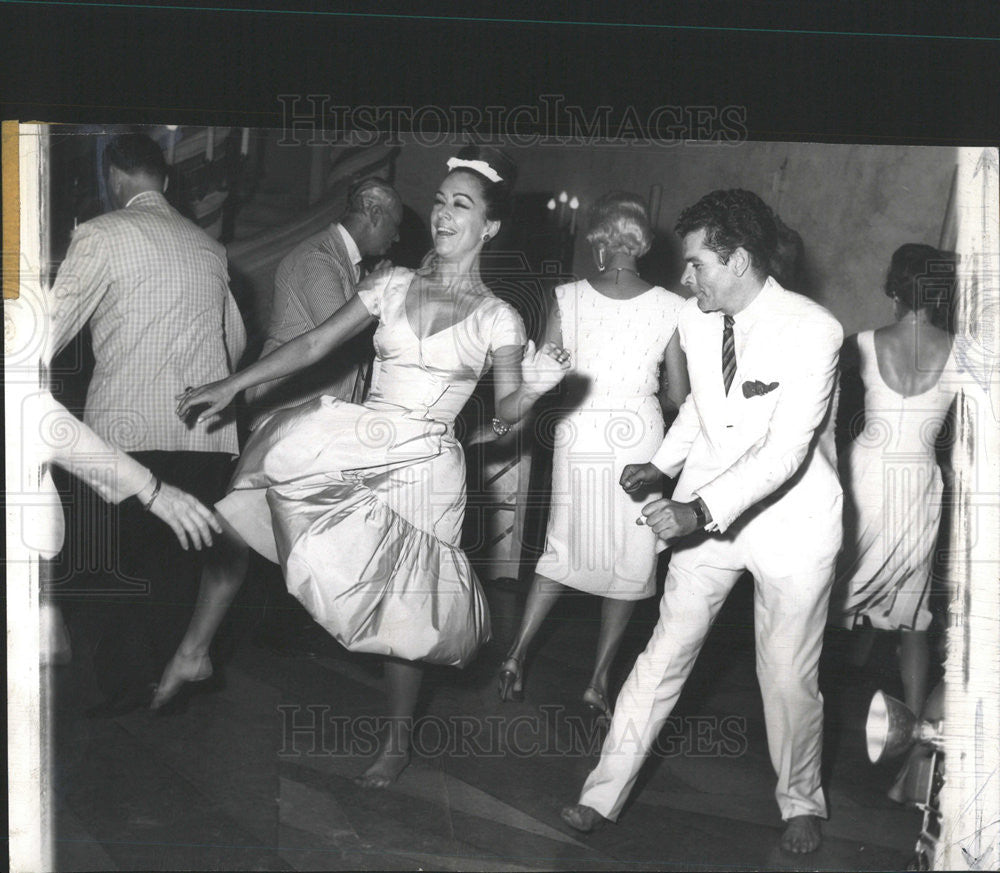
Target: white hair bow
(480, 167)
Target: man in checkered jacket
(154, 288)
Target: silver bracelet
(156, 490)
(500, 427)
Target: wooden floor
(258, 775)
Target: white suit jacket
(762, 458)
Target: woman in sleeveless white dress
(889, 469)
(620, 333)
(363, 505)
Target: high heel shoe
(179, 702)
(594, 700)
(510, 680)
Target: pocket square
(757, 388)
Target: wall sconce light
(557, 208)
(171, 142)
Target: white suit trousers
(789, 618)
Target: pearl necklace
(620, 270)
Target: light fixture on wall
(563, 210)
(655, 197)
(171, 142)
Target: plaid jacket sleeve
(82, 281)
(235, 332)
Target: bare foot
(181, 669)
(802, 835)
(386, 769)
(582, 818)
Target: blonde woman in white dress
(620, 332)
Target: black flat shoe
(179, 702)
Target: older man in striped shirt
(154, 288)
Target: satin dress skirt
(362, 506)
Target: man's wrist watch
(700, 511)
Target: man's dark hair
(135, 153)
(733, 219)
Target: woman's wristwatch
(500, 427)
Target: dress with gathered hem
(362, 505)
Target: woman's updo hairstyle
(498, 196)
(922, 277)
(620, 223)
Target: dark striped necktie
(728, 352)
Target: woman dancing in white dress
(892, 482)
(621, 333)
(363, 505)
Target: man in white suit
(759, 492)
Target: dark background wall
(852, 204)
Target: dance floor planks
(258, 776)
